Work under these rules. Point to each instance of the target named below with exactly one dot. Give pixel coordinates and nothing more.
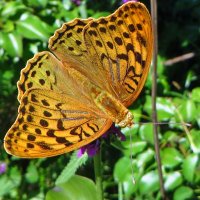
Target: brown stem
(154, 93)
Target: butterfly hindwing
(50, 124)
(40, 72)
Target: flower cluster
(77, 2)
(125, 1)
(2, 167)
(92, 148)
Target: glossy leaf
(149, 182)
(189, 167)
(146, 133)
(11, 8)
(173, 180)
(183, 193)
(165, 109)
(145, 157)
(171, 157)
(122, 168)
(32, 27)
(188, 110)
(196, 94)
(12, 43)
(125, 175)
(137, 147)
(77, 187)
(195, 140)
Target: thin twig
(154, 90)
(178, 59)
(98, 175)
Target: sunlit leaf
(12, 43)
(11, 8)
(149, 182)
(173, 180)
(32, 27)
(183, 193)
(171, 157)
(196, 94)
(189, 167)
(77, 187)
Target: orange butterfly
(71, 98)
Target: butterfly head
(127, 121)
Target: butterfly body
(113, 108)
(70, 97)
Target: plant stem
(98, 174)
(154, 93)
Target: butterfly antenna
(164, 123)
(131, 157)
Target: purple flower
(2, 168)
(77, 2)
(125, 1)
(92, 148)
(114, 130)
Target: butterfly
(70, 97)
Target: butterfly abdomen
(112, 107)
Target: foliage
(25, 27)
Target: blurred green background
(25, 27)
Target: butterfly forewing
(68, 45)
(121, 44)
(67, 42)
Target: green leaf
(173, 180)
(124, 176)
(149, 182)
(38, 3)
(195, 140)
(8, 183)
(190, 77)
(146, 133)
(188, 110)
(165, 109)
(77, 187)
(137, 147)
(183, 193)
(32, 27)
(12, 43)
(32, 173)
(11, 8)
(189, 167)
(196, 94)
(145, 157)
(71, 167)
(171, 157)
(122, 169)
(170, 136)
(8, 26)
